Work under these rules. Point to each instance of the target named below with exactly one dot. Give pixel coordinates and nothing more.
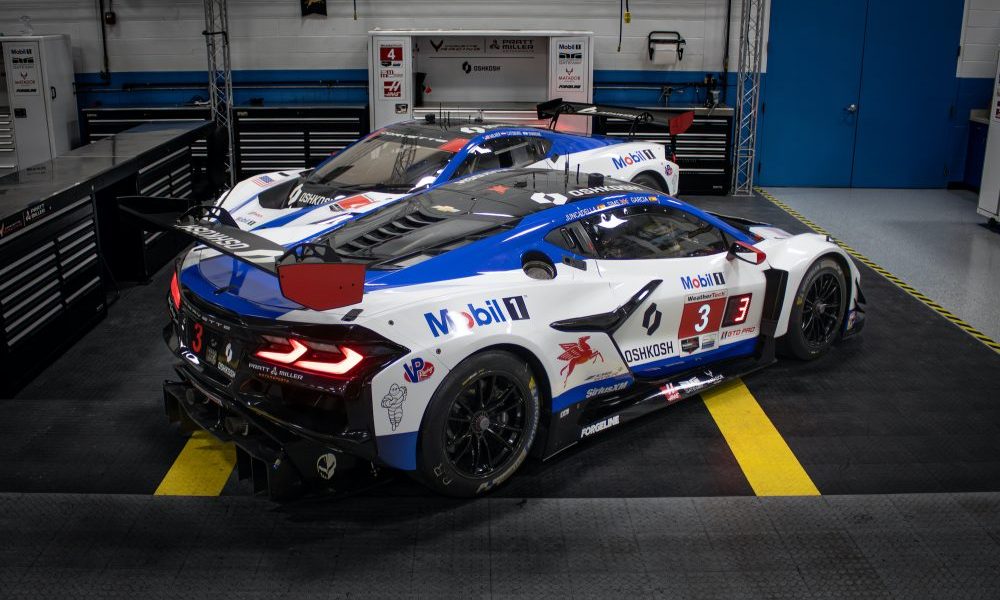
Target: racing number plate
(213, 348)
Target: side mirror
(746, 253)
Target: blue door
(813, 78)
(908, 89)
(859, 93)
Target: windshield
(389, 161)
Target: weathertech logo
(695, 282)
(443, 323)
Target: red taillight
(315, 358)
(341, 367)
(285, 358)
(175, 291)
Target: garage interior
(873, 471)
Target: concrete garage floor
(901, 440)
(932, 239)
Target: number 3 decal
(701, 317)
(704, 310)
(196, 338)
(737, 310)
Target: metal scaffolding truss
(748, 94)
(220, 76)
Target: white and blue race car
(409, 156)
(453, 332)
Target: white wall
(165, 35)
(980, 39)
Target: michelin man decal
(393, 402)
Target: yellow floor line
(201, 469)
(766, 460)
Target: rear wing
(309, 274)
(552, 109)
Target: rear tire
(649, 180)
(818, 310)
(479, 425)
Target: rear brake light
(350, 360)
(324, 359)
(285, 358)
(175, 291)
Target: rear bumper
(277, 460)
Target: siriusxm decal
(443, 322)
(695, 282)
(631, 158)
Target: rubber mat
(909, 406)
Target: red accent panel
(681, 123)
(454, 145)
(322, 286)
(700, 318)
(355, 202)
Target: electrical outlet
(110, 18)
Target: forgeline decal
(606, 389)
(514, 309)
(418, 370)
(627, 160)
(215, 237)
(577, 353)
(704, 280)
(393, 403)
(647, 352)
(600, 426)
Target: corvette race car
(454, 332)
(414, 155)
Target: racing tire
(479, 425)
(648, 180)
(818, 310)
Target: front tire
(818, 311)
(479, 425)
(648, 180)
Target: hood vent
(389, 231)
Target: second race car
(415, 155)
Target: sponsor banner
(391, 84)
(627, 160)
(570, 68)
(480, 47)
(22, 69)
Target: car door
(693, 302)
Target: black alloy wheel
(817, 312)
(822, 310)
(479, 425)
(485, 425)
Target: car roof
(467, 208)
